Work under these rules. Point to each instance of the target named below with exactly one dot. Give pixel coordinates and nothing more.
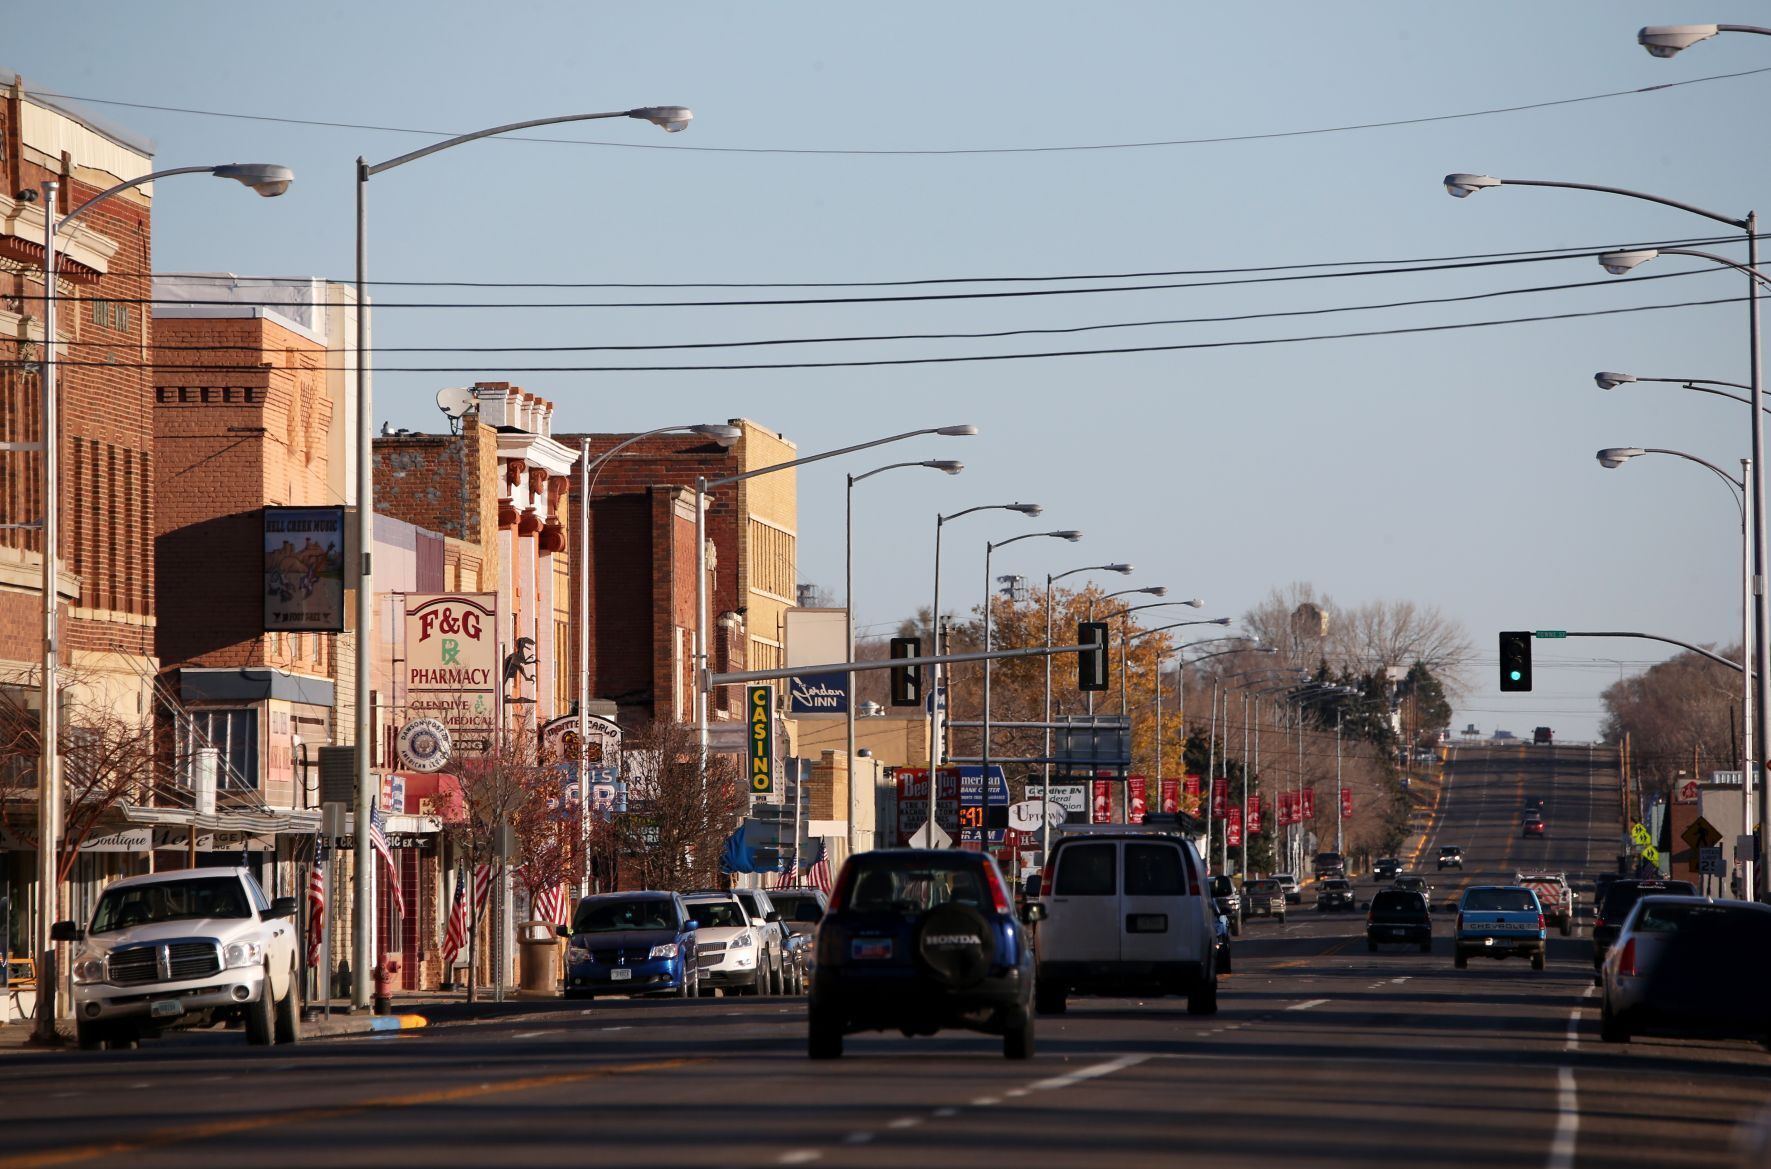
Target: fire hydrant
(383, 974)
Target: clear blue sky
(1452, 468)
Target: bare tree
(1311, 631)
(679, 813)
(1681, 714)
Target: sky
(1451, 467)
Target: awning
(257, 823)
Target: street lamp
(947, 466)
(1663, 41)
(1607, 379)
(701, 485)
(1666, 40)
(269, 180)
(1614, 457)
(1150, 591)
(990, 547)
(936, 701)
(671, 119)
(1051, 579)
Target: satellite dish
(455, 401)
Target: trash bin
(538, 948)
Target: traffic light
(1515, 660)
(906, 680)
(1091, 664)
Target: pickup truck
(1499, 921)
(1555, 895)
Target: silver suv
(185, 949)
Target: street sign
(1550, 633)
(922, 838)
(1651, 855)
(1709, 861)
(1034, 815)
(1685, 791)
(1700, 833)
(1640, 835)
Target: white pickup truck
(183, 949)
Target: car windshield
(219, 896)
(1222, 886)
(1285, 877)
(913, 884)
(1500, 901)
(1337, 885)
(1263, 886)
(790, 905)
(717, 914)
(1451, 850)
(634, 913)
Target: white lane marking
(1400, 981)
(1017, 1093)
(623, 1027)
(1306, 1004)
(1573, 1040)
(905, 1122)
(534, 1034)
(1567, 1121)
(1589, 992)
(799, 1157)
(985, 1101)
(1092, 1072)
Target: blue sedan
(631, 943)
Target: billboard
(304, 569)
(759, 713)
(817, 637)
(452, 666)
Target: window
(1154, 870)
(1086, 870)
(235, 734)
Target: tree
(498, 787)
(679, 812)
(1680, 714)
(1311, 633)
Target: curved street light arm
(124, 186)
(941, 519)
(1730, 220)
(818, 458)
(1763, 279)
(367, 170)
(597, 463)
(888, 467)
(1121, 569)
(1179, 624)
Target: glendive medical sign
(452, 665)
(759, 711)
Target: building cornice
(538, 451)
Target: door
(1159, 909)
(1082, 913)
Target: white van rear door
(1159, 905)
(1082, 911)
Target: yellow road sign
(1651, 854)
(1639, 834)
(1701, 834)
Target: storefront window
(235, 734)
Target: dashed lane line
(1306, 1004)
(1562, 1144)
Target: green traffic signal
(1515, 660)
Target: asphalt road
(1322, 1055)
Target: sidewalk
(409, 1010)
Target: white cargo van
(1125, 910)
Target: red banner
(1233, 827)
(1220, 797)
(1168, 793)
(1309, 798)
(1103, 802)
(1190, 784)
(1346, 801)
(1283, 811)
(1137, 798)
(1254, 815)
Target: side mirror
(772, 916)
(1030, 887)
(1033, 911)
(757, 923)
(691, 926)
(565, 931)
(66, 931)
(282, 907)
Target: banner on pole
(1103, 802)
(1168, 795)
(1233, 827)
(1220, 798)
(1254, 815)
(1137, 798)
(1346, 801)
(1309, 803)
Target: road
(1322, 1055)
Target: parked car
(1386, 869)
(1228, 900)
(1621, 897)
(728, 948)
(800, 910)
(183, 949)
(631, 943)
(920, 940)
(1329, 864)
(1335, 893)
(1555, 895)
(1398, 916)
(1263, 898)
(772, 934)
(1128, 911)
(1451, 857)
(1499, 921)
(1221, 931)
(1689, 966)
(1289, 882)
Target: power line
(1053, 330)
(983, 150)
(1253, 343)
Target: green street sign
(1551, 633)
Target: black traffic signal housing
(1091, 663)
(906, 680)
(1515, 660)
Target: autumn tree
(681, 807)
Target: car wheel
(1567, 927)
(1017, 1041)
(1224, 967)
(1203, 999)
(823, 1034)
(1236, 926)
(90, 1036)
(288, 1021)
(1537, 961)
(1049, 1000)
(261, 1026)
(1461, 960)
(690, 987)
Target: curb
(368, 1024)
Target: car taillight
(1045, 873)
(998, 890)
(1598, 920)
(1369, 918)
(1540, 921)
(1626, 962)
(839, 893)
(1460, 919)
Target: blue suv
(919, 940)
(631, 943)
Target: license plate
(1147, 923)
(871, 948)
(620, 974)
(1397, 931)
(171, 1008)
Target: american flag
(550, 905)
(316, 910)
(818, 876)
(378, 837)
(455, 935)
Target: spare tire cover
(955, 945)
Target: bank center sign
(452, 665)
